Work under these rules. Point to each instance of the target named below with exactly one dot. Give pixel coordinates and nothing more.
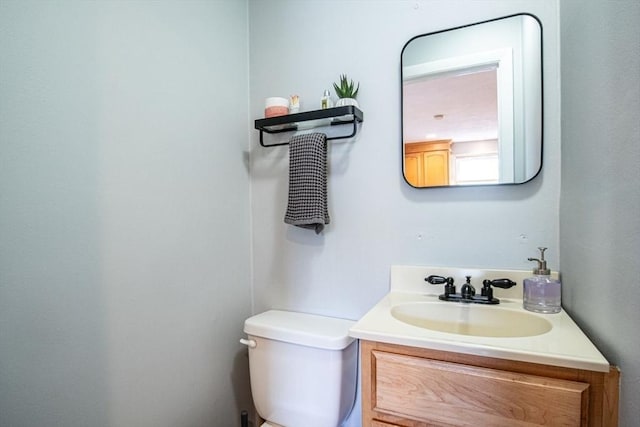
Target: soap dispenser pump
(542, 294)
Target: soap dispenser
(542, 294)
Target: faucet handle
(449, 288)
(439, 280)
(487, 291)
(499, 283)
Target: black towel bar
(344, 115)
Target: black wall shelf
(346, 115)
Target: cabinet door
(436, 168)
(437, 393)
(427, 169)
(413, 169)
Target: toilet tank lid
(310, 330)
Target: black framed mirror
(472, 104)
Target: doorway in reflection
(451, 133)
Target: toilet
(303, 368)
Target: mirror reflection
(472, 104)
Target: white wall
(599, 211)
(124, 216)
(376, 219)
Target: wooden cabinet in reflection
(426, 164)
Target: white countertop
(564, 345)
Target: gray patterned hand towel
(307, 205)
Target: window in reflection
(475, 170)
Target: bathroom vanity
(423, 365)
(410, 386)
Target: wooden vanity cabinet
(414, 387)
(426, 164)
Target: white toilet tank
(303, 368)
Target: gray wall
(124, 215)
(600, 203)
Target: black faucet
(468, 292)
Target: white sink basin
(471, 319)
(412, 315)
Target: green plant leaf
(346, 87)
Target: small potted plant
(346, 91)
